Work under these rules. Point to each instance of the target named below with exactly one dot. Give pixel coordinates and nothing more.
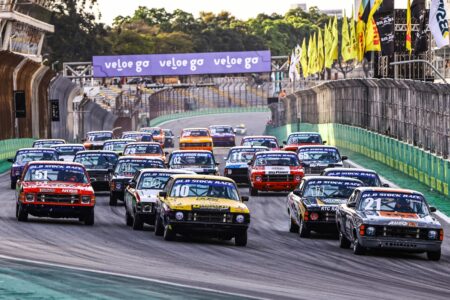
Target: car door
(130, 193)
(349, 214)
(294, 200)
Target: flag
(418, 11)
(291, 61)
(346, 46)
(298, 54)
(408, 27)
(313, 59)
(373, 42)
(360, 31)
(438, 22)
(304, 59)
(320, 52)
(328, 46)
(310, 56)
(335, 37)
(353, 39)
(384, 18)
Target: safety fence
(8, 149)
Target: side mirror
(61, 159)
(163, 194)
(93, 180)
(166, 153)
(11, 160)
(433, 209)
(344, 157)
(297, 193)
(244, 198)
(132, 184)
(385, 185)
(351, 204)
(284, 143)
(324, 142)
(217, 164)
(250, 163)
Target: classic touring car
(56, 190)
(142, 193)
(383, 218)
(198, 161)
(263, 140)
(66, 152)
(169, 138)
(148, 149)
(95, 139)
(100, 165)
(125, 169)
(26, 155)
(157, 134)
(237, 161)
(46, 143)
(315, 159)
(313, 205)
(368, 177)
(222, 135)
(274, 171)
(207, 205)
(196, 139)
(138, 136)
(117, 145)
(240, 129)
(297, 139)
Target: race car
(46, 143)
(222, 135)
(205, 205)
(368, 177)
(95, 139)
(236, 162)
(198, 161)
(66, 152)
(297, 139)
(384, 218)
(157, 134)
(313, 205)
(315, 159)
(56, 190)
(142, 193)
(240, 129)
(149, 149)
(274, 171)
(263, 140)
(138, 136)
(169, 137)
(196, 139)
(26, 155)
(116, 145)
(100, 165)
(125, 169)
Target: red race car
(274, 171)
(56, 190)
(297, 139)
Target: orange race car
(196, 139)
(145, 149)
(157, 134)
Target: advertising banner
(182, 64)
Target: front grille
(314, 170)
(195, 144)
(402, 232)
(239, 171)
(69, 199)
(210, 217)
(277, 178)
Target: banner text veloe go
(182, 64)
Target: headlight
(314, 216)
(228, 171)
(370, 231)
(30, 197)
(297, 178)
(86, 199)
(432, 235)
(179, 216)
(118, 186)
(166, 207)
(240, 219)
(258, 178)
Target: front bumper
(322, 226)
(211, 229)
(224, 142)
(403, 244)
(56, 211)
(187, 147)
(275, 186)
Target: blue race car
(236, 163)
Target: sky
(242, 9)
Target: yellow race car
(196, 139)
(202, 204)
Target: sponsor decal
(69, 191)
(351, 174)
(47, 190)
(334, 182)
(277, 170)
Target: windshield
(168, 132)
(142, 149)
(65, 173)
(154, 131)
(195, 133)
(25, 156)
(242, 156)
(270, 143)
(115, 146)
(325, 155)
(46, 144)
(330, 188)
(96, 160)
(204, 188)
(393, 202)
(128, 167)
(99, 136)
(277, 160)
(192, 159)
(222, 130)
(153, 181)
(68, 150)
(304, 139)
(368, 178)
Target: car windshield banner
(182, 64)
(351, 174)
(317, 149)
(37, 151)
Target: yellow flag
(313, 61)
(328, 46)
(310, 56)
(304, 59)
(373, 42)
(360, 34)
(335, 36)
(353, 40)
(346, 46)
(320, 53)
(408, 27)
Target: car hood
(399, 219)
(148, 195)
(222, 134)
(317, 163)
(67, 157)
(57, 187)
(209, 203)
(196, 169)
(310, 201)
(196, 140)
(236, 165)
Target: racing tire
(240, 239)
(293, 227)
(21, 214)
(13, 185)
(128, 218)
(137, 223)
(169, 234)
(303, 230)
(434, 255)
(253, 191)
(357, 248)
(89, 217)
(112, 200)
(159, 228)
(344, 242)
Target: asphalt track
(276, 264)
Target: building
(301, 6)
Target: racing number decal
(181, 190)
(39, 174)
(109, 147)
(371, 202)
(177, 160)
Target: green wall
(8, 149)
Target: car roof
(120, 140)
(143, 143)
(304, 132)
(259, 136)
(36, 149)
(43, 140)
(171, 171)
(342, 169)
(195, 128)
(277, 152)
(100, 131)
(191, 151)
(389, 190)
(153, 127)
(317, 146)
(249, 147)
(196, 176)
(97, 151)
(308, 178)
(48, 162)
(141, 158)
(66, 145)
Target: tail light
(441, 234)
(306, 216)
(362, 230)
(297, 178)
(258, 178)
(113, 186)
(314, 216)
